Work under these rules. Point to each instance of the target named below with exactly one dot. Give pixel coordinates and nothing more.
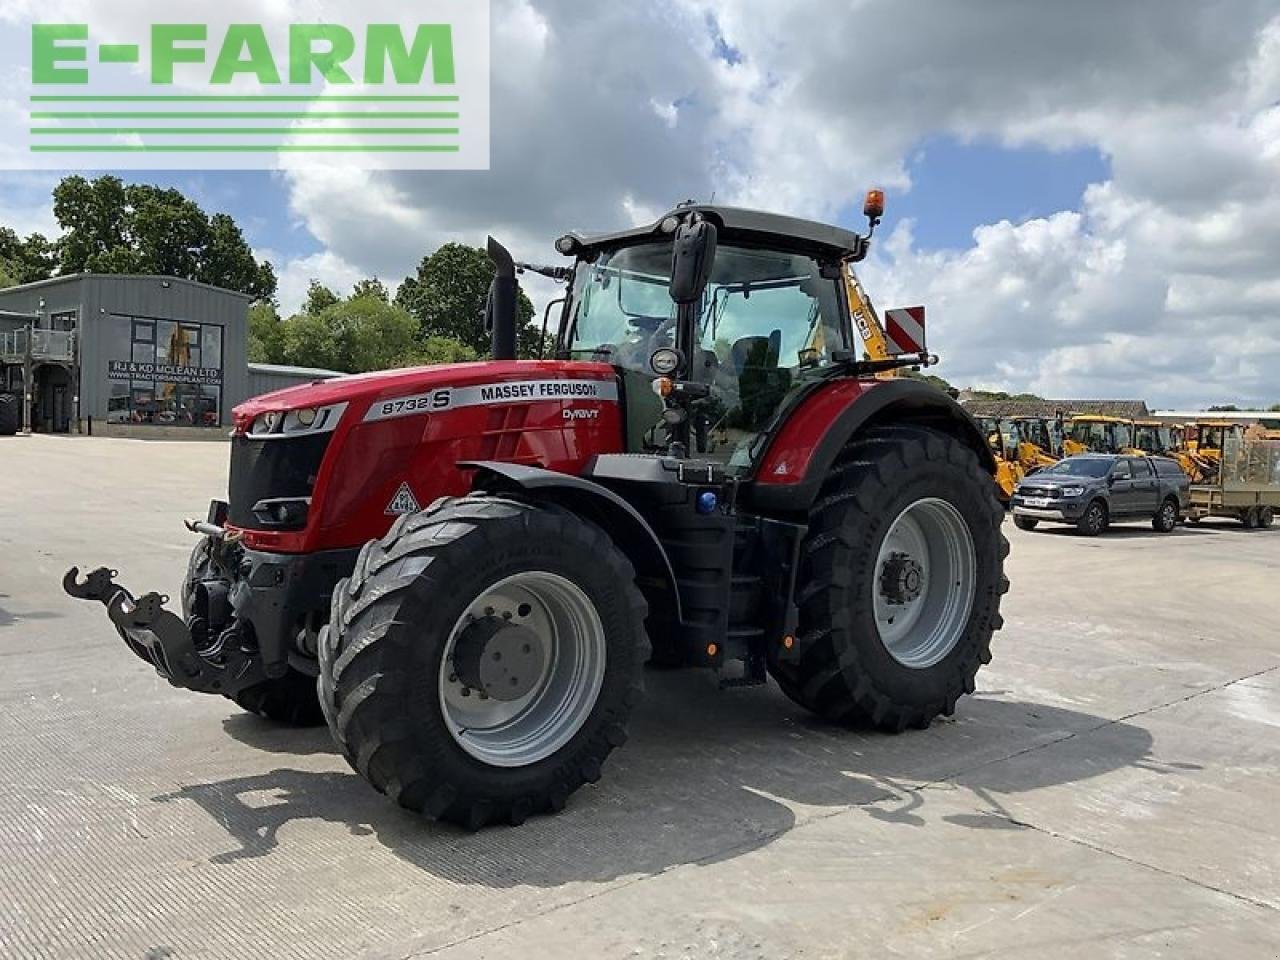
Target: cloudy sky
(1085, 195)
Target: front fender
(602, 506)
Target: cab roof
(750, 226)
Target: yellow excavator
(1005, 441)
(1095, 433)
(1156, 439)
(1039, 443)
(1204, 440)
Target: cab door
(1125, 499)
(1146, 489)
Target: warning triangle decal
(403, 502)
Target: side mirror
(693, 255)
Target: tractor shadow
(706, 777)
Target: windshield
(765, 302)
(768, 321)
(1079, 467)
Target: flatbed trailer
(1246, 488)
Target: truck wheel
(1094, 520)
(10, 421)
(1249, 518)
(483, 659)
(1025, 523)
(1266, 516)
(1166, 518)
(290, 700)
(900, 582)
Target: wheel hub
(901, 579)
(497, 658)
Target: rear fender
(603, 507)
(805, 446)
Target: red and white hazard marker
(904, 328)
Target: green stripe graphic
(225, 115)
(274, 131)
(245, 148)
(228, 98)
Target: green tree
(1223, 408)
(447, 297)
(372, 287)
(434, 350)
(354, 336)
(111, 227)
(25, 261)
(319, 298)
(265, 343)
(1274, 408)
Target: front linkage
(162, 639)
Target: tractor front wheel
(900, 582)
(483, 659)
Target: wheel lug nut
(496, 655)
(488, 611)
(466, 691)
(506, 614)
(453, 678)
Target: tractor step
(162, 639)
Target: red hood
(368, 387)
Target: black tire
(838, 666)
(1266, 517)
(290, 700)
(1165, 519)
(1249, 518)
(1025, 523)
(387, 635)
(10, 420)
(1095, 519)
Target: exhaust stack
(500, 309)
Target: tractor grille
(268, 469)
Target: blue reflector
(707, 501)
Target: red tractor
(472, 562)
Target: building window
(171, 374)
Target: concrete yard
(1113, 788)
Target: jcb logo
(581, 414)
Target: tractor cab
(1155, 438)
(1041, 441)
(1094, 433)
(707, 369)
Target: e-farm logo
(361, 89)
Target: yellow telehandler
(1096, 433)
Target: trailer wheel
(290, 700)
(10, 418)
(1025, 523)
(483, 659)
(1166, 518)
(1249, 518)
(900, 582)
(1266, 517)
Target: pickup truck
(1092, 490)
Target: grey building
(124, 353)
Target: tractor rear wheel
(900, 582)
(290, 700)
(483, 659)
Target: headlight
(665, 361)
(291, 423)
(1072, 491)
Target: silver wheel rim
(924, 585)
(571, 653)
